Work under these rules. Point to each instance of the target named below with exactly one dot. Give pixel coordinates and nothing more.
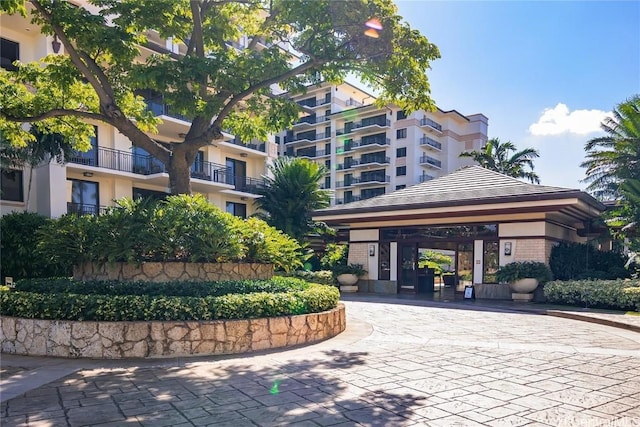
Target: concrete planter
(523, 289)
(348, 282)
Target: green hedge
(613, 294)
(73, 306)
(175, 288)
(324, 277)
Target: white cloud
(559, 120)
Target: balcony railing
(428, 122)
(347, 200)
(124, 161)
(364, 124)
(372, 179)
(370, 160)
(160, 109)
(254, 146)
(312, 120)
(310, 154)
(425, 140)
(85, 209)
(314, 102)
(425, 177)
(309, 137)
(428, 160)
(371, 141)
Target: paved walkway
(400, 363)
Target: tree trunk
(179, 169)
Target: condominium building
(227, 173)
(371, 151)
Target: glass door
(464, 269)
(408, 278)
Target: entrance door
(407, 277)
(464, 268)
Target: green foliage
(324, 277)
(19, 233)
(523, 270)
(219, 87)
(113, 301)
(613, 294)
(180, 228)
(434, 260)
(574, 261)
(497, 156)
(357, 269)
(291, 195)
(334, 254)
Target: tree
(292, 194)
(615, 158)
(219, 87)
(498, 156)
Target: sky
(545, 73)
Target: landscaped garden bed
(62, 317)
(622, 294)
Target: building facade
(227, 173)
(371, 151)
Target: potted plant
(523, 277)
(347, 276)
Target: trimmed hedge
(612, 294)
(295, 298)
(175, 288)
(324, 277)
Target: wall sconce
(55, 44)
(87, 174)
(507, 248)
(372, 250)
(243, 198)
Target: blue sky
(545, 73)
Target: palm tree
(291, 195)
(614, 158)
(497, 156)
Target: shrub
(522, 270)
(324, 277)
(286, 297)
(18, 245)
(569, 261)
(614, 294)
(180, 228)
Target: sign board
(468, 292)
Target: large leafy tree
(217, 86)
(503, 157)
(291, 194)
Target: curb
(591, 319)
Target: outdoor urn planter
(348, 282)
(523, 278)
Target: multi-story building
(227, 173)
(370, 150)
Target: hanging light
(374, 23)
(370, 32)
(55, 44)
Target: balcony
(311, 154)
(371, 179)
(307, 137)
(84, 209)
(311, 120)
(427, 142)
(430, 161)
(425, 177)
(146, 165)
(348, 200)
(314, 102)
(381, 122)
(371, 142)
(373, 161)
(253, 146)
(430, 124)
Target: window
(90, 158)
(371, 192)
(142, 193)
(327, 113)
(237, 209)
(348, 196)
(401, 152)
(144, 163)
(491, 261)
(384, 261)
(327, 182)
(11, 187)
(327, 164)
(401, 115)
(400, 187)
(401, 133)
(236, 173)
(85, 197)
(197, 168)
(9, 53)
(401, 171)
(327, 132)
(327, 149)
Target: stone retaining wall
(116, 340)
(168, 271)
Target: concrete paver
(400, 363)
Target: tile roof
(468, 185)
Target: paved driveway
(398, 364)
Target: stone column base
(517, 297)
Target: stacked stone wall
(531, 250)
(117, 340)
(359, 254)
